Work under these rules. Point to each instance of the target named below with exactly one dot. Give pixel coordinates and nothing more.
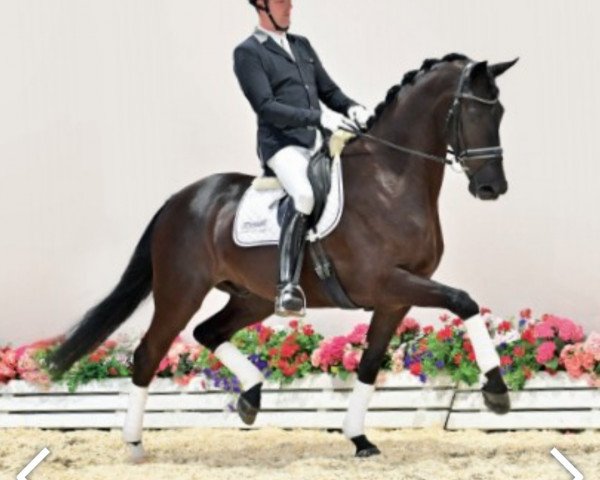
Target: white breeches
(290, 166)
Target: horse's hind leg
(215, 333)
(173, 310)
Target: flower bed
(526, 346)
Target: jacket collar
(270, 44)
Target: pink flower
(315, 358)
(359, 334)
(398, 359)
(408, 325)
(543, 330)
(592, 345)
(163, 365)
(351, 360)
(545, 352)
(568, 331)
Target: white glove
(334, 121)
(360, 115)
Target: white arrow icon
(22, 475)
(565, 463)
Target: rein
(463, 155)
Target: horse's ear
(499, 68)
(479, 68)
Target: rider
(283, 79)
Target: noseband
(464, 155)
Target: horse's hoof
(368, 452)
(248, 404)
(364, 448)
(497, 402)
(137, 455)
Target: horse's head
(474, 123)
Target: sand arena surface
(300, 454)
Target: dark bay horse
(385, 249)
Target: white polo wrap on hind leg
(236, 361)
(354, 422)
(485, 351)
(132, 429)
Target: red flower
(457, 359)
(112, 371)
(519, 351)
(527, 372)
(444, 317)
(484, 310)
(289, 371)
(416, 369)
(272, 351)
(526, 313)
(307, 330)
(468, 346)
(472, 357)
(504, 326)
(445, 333)
(264, 334)
(506, 360)
(293, 324)
(289, 349)
(528, 336)
(282, 364)
(97, 356)
(216, 366)
(427, 330)
(457, 322)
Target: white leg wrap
(485, 351)
(243, 369)
(354, 423)
(132, 430)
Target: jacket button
(306, 86)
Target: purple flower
(423, 378)
(440, 364)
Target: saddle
(265, 205)
(319, 175)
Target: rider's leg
(290, 165)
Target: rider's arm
(257, 89)
(329, 93)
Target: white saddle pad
(256, 217)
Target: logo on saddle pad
(256, 223)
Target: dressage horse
(386, 247)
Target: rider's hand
(360, 115)
(334, 121)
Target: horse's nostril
(487, 189)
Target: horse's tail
(103, 319)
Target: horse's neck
(417, 121)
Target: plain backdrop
(107, 107)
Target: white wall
(109, 106)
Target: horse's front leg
(383, 324)
(404, 288)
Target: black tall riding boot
(290, 297)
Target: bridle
(464, 154)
